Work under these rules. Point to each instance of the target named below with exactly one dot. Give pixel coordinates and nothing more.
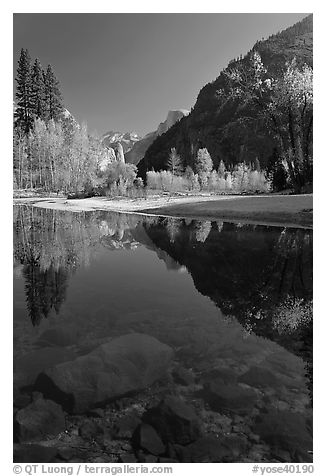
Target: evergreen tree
(38, 91)
(24, 110)
(53, 97)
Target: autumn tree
(20, 156)
(204, 166)
(286, 102)
(221, 169)
(174, 162)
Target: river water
(234, 301)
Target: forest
(259, 107)
(53, 153)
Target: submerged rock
(174, 420)
(38, 420)
(126, 364)
(33, 454)
(183, 376)
(260, 377)
(125, 426)
(286, 431)
(210, 449)
(90, 430)
(58, 336)
(146, 437)
(229, 397)
(28, 367)
(128, 458)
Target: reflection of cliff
(240, 268)
(247, 271)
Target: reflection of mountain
(249, 272)
(240, 268)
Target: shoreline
(276, 210)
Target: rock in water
(229, 398)
(34, 454)
(260, 378)
(28, 367)
(60, 337)
(210, 449)
(286, 431)
(38, 420)
(145, 437)
(174, 420)
(126, 364)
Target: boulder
(58, 336)
(125, 426)
(233, 398)
(90, 430)
(66, 453)
(146, 437)
(34, 454)
(260, 378)
(286, 431)
(128, 458)
(29, 366)
(38, 420)
(174, 421)
(210, 449)
(124, 365)
(97, 412)
(183, 376)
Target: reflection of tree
(51, 245)
(172, 227)
(248, 273)
(203, 229)
(44, 290)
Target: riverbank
(292, 210)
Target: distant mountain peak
(223, 129)
(127, 139)
(137, 152)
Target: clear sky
(125, 71)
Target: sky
(124, 72)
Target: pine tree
(53, 96)
(24, 110)
(38, 91)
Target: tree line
(38, 93)
(238, 179)
(285, 104)
(51, 151)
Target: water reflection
(251, 319)
(255, 273)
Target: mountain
(139, 149)
(223, 128)
(126, 139)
